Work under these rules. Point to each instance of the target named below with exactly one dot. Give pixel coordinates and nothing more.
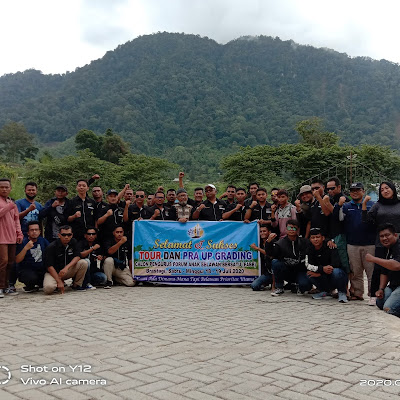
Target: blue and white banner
(195, 252)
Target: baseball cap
(112, 191)
(357, 185)
(211, 186)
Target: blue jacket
(358, 233)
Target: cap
(211, 186)
(181, 190)
(112, 191)
(305, 189)
(357, 185)
(63, 187)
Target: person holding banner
(159, 212)
(212, 209)
(266, 277)
(183, 209)
(237, 211)
(120, 258)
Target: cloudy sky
(56, 36)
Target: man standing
(319, 208)
(171, 197)
(159, 211)
(63, 261)
(10, 234)
(212, 209)
(336, 227)
(252, 193)
(388, 296)
(285, 212)
(360, 237)
(29, 259)
(183, 210)
(135, 211)
(260, 209)
(111, 216)
(54, 212)
(303, 209)
(237, 211)
(28, 208)
(81, 210)
(229, 194)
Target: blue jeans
(261, 281)
(390, 302)
(95, 278)
(284, 273)
(336, 280)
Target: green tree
(86, 139)
(313, 134)
(113, 147)
(16, 144)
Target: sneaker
(11, 291)
(1, 293)
(342, 297)
(90, 287)
(78, 288)
(30, 289)
(318, 296)
(277, 292)
(108, 285)
(372, 301)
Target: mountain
(191, 100)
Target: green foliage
(165, 92)
(311, 131)
(16, 144)
(109, 147)
(138, 171)
(291, 165)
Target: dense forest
(192, 101)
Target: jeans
(336, 280)
(261, 281)
(282, 272)
(390, 302)
(95, 278)
(31, 277)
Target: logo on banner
(195, 232)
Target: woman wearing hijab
(386, 209)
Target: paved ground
(198, 343)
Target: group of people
(321, 244)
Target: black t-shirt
(393, 253)
(112, 221)
(134, 212)
(58, 256)
(238, 215)
(83, 245)
(212, 212)
(318, 218)
(88, 208)
(166, 214)
(122, 255)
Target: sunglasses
(331, 188)
(140, 195)
(91, 233)
(66, 234)
(291, 228)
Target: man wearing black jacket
(81, 210)
(54, 211)
(63, 261)
(211, 209)
(288, 262)
(324, 267)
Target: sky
(56, 36)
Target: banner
(195, 252)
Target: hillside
(191, 99)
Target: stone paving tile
(199, 343)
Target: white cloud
(56, 36)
